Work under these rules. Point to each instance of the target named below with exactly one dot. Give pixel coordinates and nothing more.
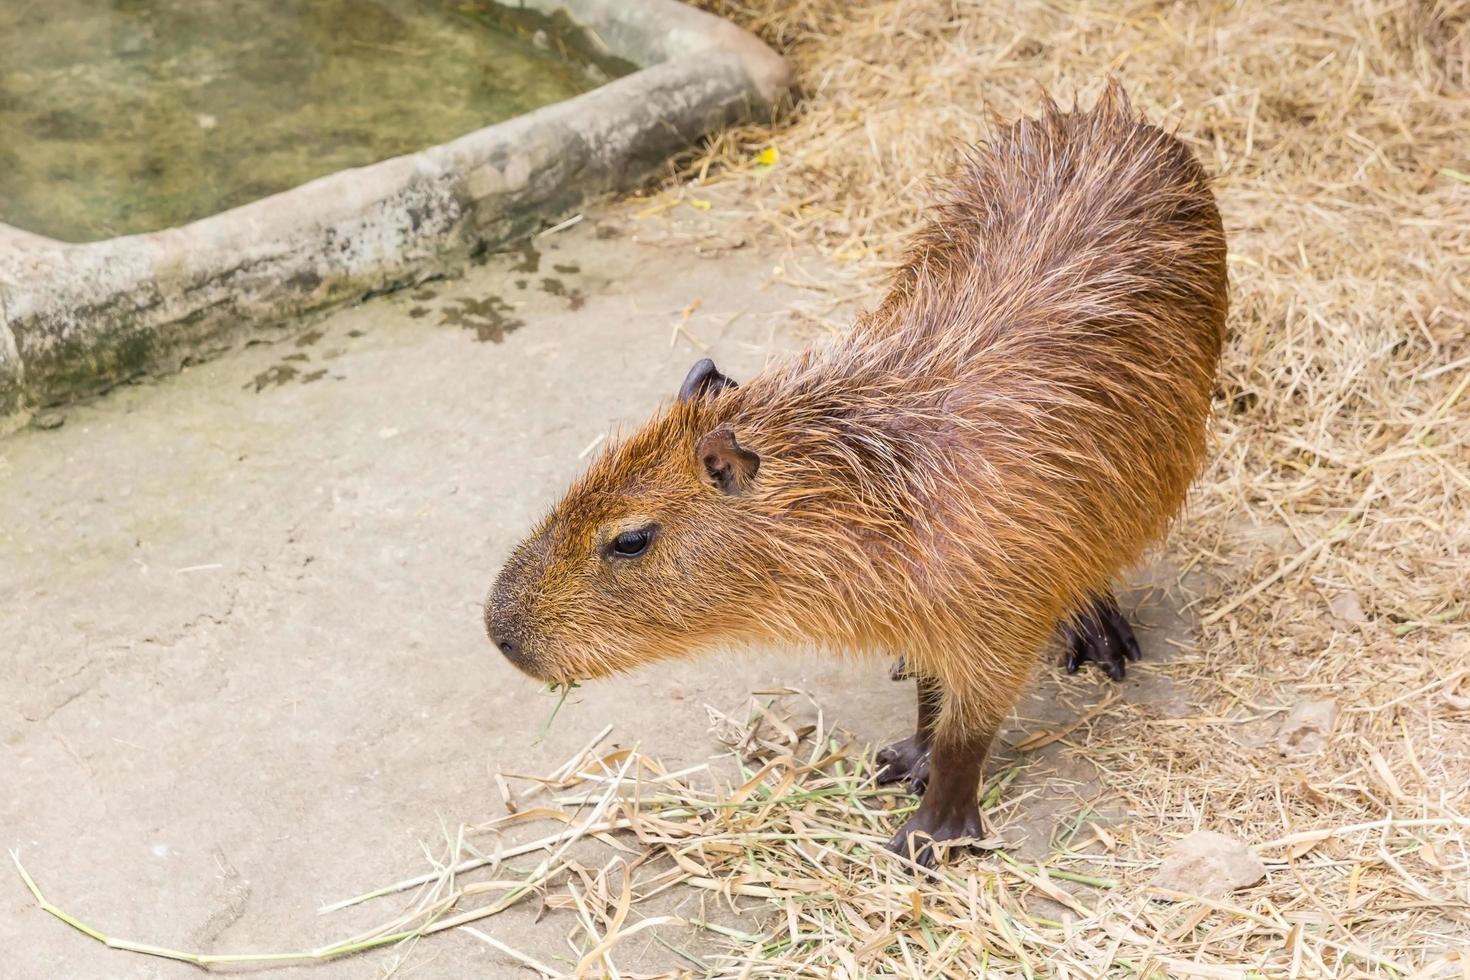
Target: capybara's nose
(495, 628)
(507, 618)
(503, 632)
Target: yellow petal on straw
(768, 157)
(698, 202)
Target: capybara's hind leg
(1100, 634)
(950, 809)
(907, 760)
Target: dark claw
(1100, 634)
(917, 838)
(905, 761)
(1123, 631)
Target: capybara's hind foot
(919, 835)
(1100, 634)
(905, 761)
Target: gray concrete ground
(242, 669)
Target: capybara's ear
(726, 465)
(704, 380)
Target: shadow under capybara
(957, 478)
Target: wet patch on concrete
(488, 318)
(272, 377)
(289, 369)
(528, 259)
(555, 287)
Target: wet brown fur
(1018, 421)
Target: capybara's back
(965, 472)
(1041, 370)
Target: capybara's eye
(631, 544)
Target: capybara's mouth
(533, 666)
(548, 670)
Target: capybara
(960, 476)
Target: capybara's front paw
(1100, 634)
(924, 833)
(905, 761)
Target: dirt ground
(244, 670)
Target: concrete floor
(243, 671)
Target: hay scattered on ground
(794, 857)
(795, 881)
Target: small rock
(48, 420)
(1455, 701)
(1306, 728)
(1347, 607)
(206, 121)
(1209, 865)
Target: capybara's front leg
(950, 809)
(907, 760)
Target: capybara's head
(641, 560)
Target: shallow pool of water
(133, 115)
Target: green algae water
(125, 116)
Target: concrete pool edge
(78, 319)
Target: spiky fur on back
(1013, 426)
